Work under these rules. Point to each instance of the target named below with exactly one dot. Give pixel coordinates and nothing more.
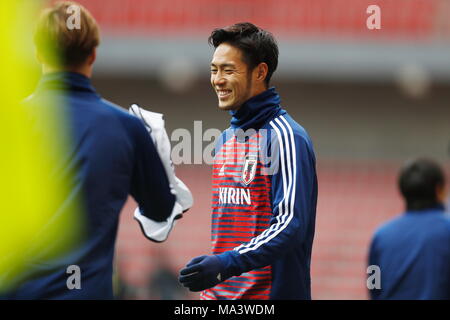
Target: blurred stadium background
(370, 99)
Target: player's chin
(226, 106)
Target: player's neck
(85, 70)
(257, 91)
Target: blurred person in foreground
(111, 155)
(263, 221)
(413, 250)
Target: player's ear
(441, 193)
(91, 58)
(261, 71)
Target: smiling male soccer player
(262, 224)
(110, 155)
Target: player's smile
(223, 94)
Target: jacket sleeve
(150, 185)
(294, 196)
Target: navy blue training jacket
(413, 254)
(264, 204)
(111, 155)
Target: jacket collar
(256, 111)
(439, 208)
(70, 81)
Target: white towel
(159, 231)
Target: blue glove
(202, 273)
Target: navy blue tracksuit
(413, 253)
(111, 155)
(263, 221)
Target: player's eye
(229, 70)
(213, 70)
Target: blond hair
(61, 44)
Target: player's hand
(202, 273)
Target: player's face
(230, 77)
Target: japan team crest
(249, 170)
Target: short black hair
(256, 44)
(418, 182)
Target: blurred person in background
(413, 250)
(111, 154)
(263, 224)
(163, 282)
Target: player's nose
(218, 79)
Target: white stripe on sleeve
(289, 195)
